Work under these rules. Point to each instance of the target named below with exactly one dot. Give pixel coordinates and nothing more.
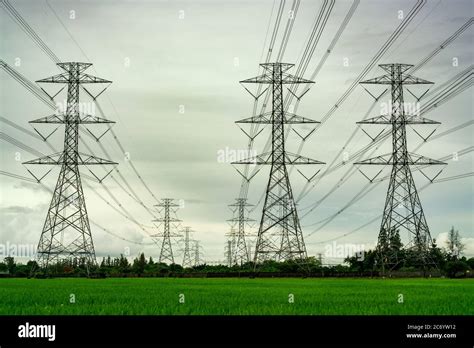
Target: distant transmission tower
(403, 208)
(239, 251)
(197, 254)
(229, 247)
(168, 207)
(66, 233)
(187, 260)
(279, 235)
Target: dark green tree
(456, 268)
(437, 256)
(139, 264)
(11, 265)
(123, 264)
(395, 255)
(470, 262)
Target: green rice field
(232, 296)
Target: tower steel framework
(167, 208)
(238, 237)
(197, 253)
(403, 210)
(228, 248)
(279, 236)
(187, 259)
(66, 232)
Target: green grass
(236, 296)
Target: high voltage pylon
(403, 208)
(279, 236)
(238, 248)
(228, 248)
(66, 232)
(197, 253)
(187, 260)
(168, 207)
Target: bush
(456, 269)
(470, 262)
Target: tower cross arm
(408, 119)
(85, 159)
(265, 78)
(61, 118)
(269, 79)
(387, 79)
(294, 159)
(86, 78)
(54, 159)
(65, 78)
(90, 119)
(262, 159)
(59, 78)
(292, 79)
(288, 118)
(416, 159)
(412, 159)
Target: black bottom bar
(241, 330)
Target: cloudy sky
(175, 67)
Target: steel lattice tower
(187, 260)
(197, 253)
(403, 208)
(66, 233)
(228, 248)
(168, 207)
(239, 250)
(279, 235)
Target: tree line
(447, 261)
